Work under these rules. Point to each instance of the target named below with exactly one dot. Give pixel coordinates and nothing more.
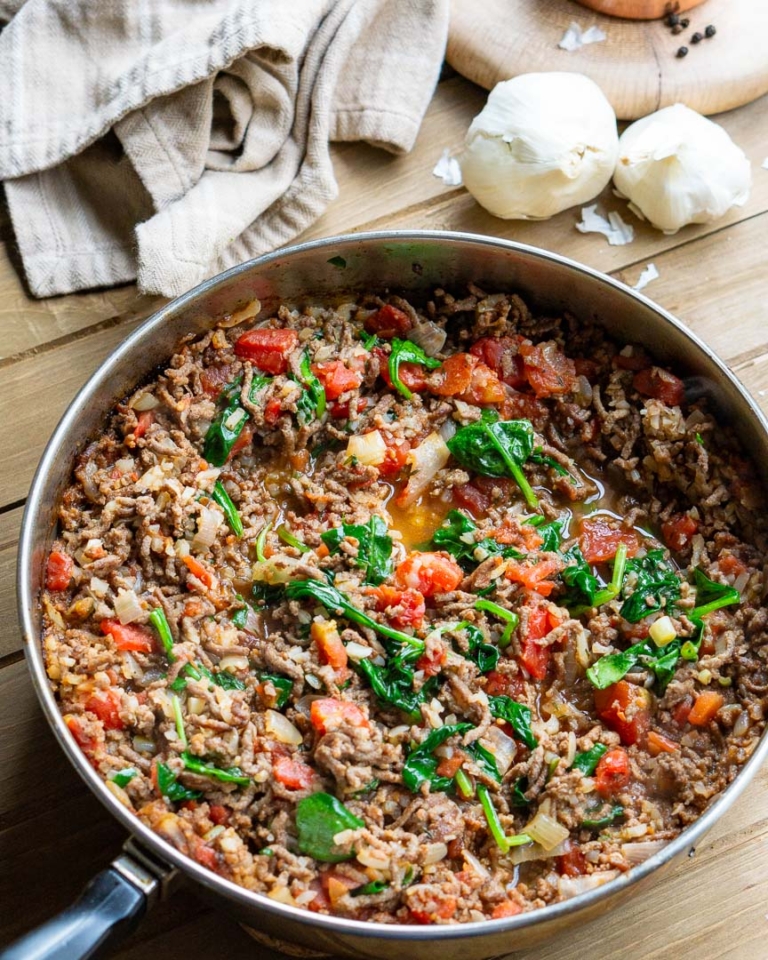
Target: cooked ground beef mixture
(415, 614)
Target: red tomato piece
(330, 648)
(572, 863)
(472, 498)
(498, 684)
(658, 743)
(88, 743)
(706, 705)
(347, 409)
(206, 856)
(403, 608)
(219, 814)
(637, 360)
(106, 705)
(547, 369)
(293, 773)
(508, 908)
(536, 576)
(388, 322)
(429, 573)
(522, 406)
(267, 348)
(682, 711)
(601, 536)
(395, 457)
(336, 378)
(501, 355)
(329, 714)
(128, 636)
(432, 663)
(485, 387)
(199, 570)
(731, 566)
(679, 530)
(272, 410)
(444, 911)
(412, 375)
(58, 570)
(143, 422)
(243, 441)
(626, 708)
(454, 377)
(585, 368)
(612, 772)
(449, 766)
(217, 376)
(533, 655)
(660, 384)
(321, 901)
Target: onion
(99, 588)
(131, 668)
(313, 681)
(127, 606)
(208, 524)
(573, 886)
(376, 859)
(119, 794)
(501, 746)
(214, 832)
(233, 663)
(742, 580)
(448, 430)
(195, 705)
(545, 830)
(278, 569)
(281, 728)
(367, 448)
(144, 745)
(534, 851)
(742, 724)
(635, 853)
(144, 401)
(429, 336)
(248, 312)
(471, 860)
(211, 475)
(435, 852)
(430, 456)
(282, 895)
(358, 652)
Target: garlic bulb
(676, 167)
(542, 143)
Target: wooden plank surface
(54, 835)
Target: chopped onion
(305, 702)
(545, 830)
(635, 853)
(281, 728)
(282, 895)
(144, 745)
(313, 681)
(144, 401)
(248, 312)
(131, 669)
(534, 851)
(208, 524)
(471, 860)
(501, 746)
(277, 569)
(571, 752)
(573, 886)
(99, 588)
(306, 897)
(209, 476)
(214, 832)
(431, 455)
(195, 705)
(368, 448)
(375, 858)
(127, 606)
(435, 852)
(448, 429)
(233, 663)
(119, 794)
(742, 580)
(742, 724)
(358, 652)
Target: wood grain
(635, 66)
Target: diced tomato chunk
(637, 360)
(501, 355)
(206, 856)
(472, 498)
(58, 570)
(679, 530)
(88, 743)
(143, 422)
(432, 663)
(214, 378)
(336, 378)
(658, 743)
(346, 410)
(267, 348)
(612, 772)
(403, 608)
(572, 863)
(508, 908)
(705, 707)
(585, 368)
(454, 376)
(600, 539)
(321, 901)
(244, 440)
(106, 705)
(219, 814)
(293, 773)
(330, 648)
(412, 375)
(388, 322)
(395, 456)
(536, 576)
(328, 714)
(533, 655)
(444, 911)
(660, 384)
(484, 387)
(731, 566)
(498, 684)
(522, 406)
(625, 708)
(199, 570)
(429, 573)
(272, 410)
(682, 711)
(547, 369)
(449, 766)
(128, 636)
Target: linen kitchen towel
(165, 140)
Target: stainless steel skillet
(410, 263)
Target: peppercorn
(672, 20)
(685, 22)
(677, 29)
(710, 31)
(682, 52)
(696, 38)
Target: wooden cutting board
(636, 66)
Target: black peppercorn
(677, 29)
(682, 52)
(685, 22)
(710, 31)
(696, 38)
(673, 20)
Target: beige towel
(166, 140)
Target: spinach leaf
(582, 584)
(484, 655)
(553, 532)
(283, 686)
(170, 788)
(393, 684)
(221, 497)
(587, 762)
(159, 621)
(374, 551)
(517, 797)
(484, 759)
(508, 616)
(711, 595)
(613, 666)
(264, 593)
(319, 817)
(496, 448)
(123, 777)
(404, 351)
(223, 679)
(287, 537)
(224, 431)
(375, 886)
(651, 583)
(597, 822)
(228, 775)
(421, 763)
(456, 536)
(336, 602)
(539, 457)
(311, 403)
(517, 715)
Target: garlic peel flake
(649, 274)
(542, 143)
(448, 170)
(575, 38)
(616, 231)
(676, 167)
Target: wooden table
(54, 835)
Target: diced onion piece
(307, 897)
(546, 831)
(281, 728)
(233, 663)
(435, 852)
(234, 419)
(248, 312)
(214, 832)
(277, 569)
(144, 745)
(431, 455)
(534, 851)
(98, 587)
(573, 886)
(357, 651)
(144, 401)
(207, 478)
(127, 606)
(367, 448)
(208, 524)
(662, 631)
(195, 705)
(54, 614)
(501, 746)
(375, 858)
(471, 861)
(635, 853)
(282, 895)
(119, 794)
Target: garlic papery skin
(542, 143)
(676, 167)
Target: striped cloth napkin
(165, 140)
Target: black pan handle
(107, 910)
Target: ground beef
(275, 587)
